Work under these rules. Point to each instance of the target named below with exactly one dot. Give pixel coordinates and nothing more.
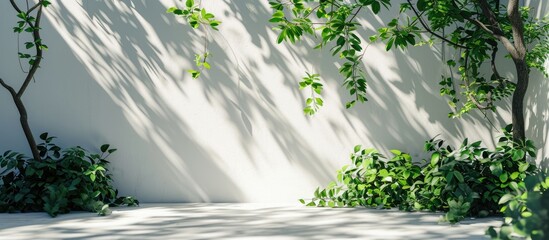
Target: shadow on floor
(241, 221)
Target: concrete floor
(240, 221)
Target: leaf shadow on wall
(537, 113)
(126, 47)
(115, 46)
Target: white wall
(115, 73)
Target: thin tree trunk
(517, 50)
(27, 130)
(23, 119)
(517, 105)
(16, 95)
(519, 57)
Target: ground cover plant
(526, 210)
(64, 180)
(469, 180)
(53, 180)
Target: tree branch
(493, 61)
(34, 7)
(477, 104)
(426, 27)
(356, 13)
(15, 6)
(475, 21)
(38, 56)
(517, 26)
(8, 87)
(496, 29)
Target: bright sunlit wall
(115, 73)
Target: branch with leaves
(29, 22)
(198, 17)
(473, 28)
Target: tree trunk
(23, 120)
(26, 129)
(518, 53)
(517, 106)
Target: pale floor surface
(240, 221)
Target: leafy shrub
(526, 210)
(469, 180)
(65, 180)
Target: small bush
(65, 180)
(526, 210)
(465, 181)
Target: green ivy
(65, 180)
(466, 181)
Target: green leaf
(171, 10)
(104, 147)
(44, 136)
(383, 173)
(189, 3)
(523, 166)
(376, 7)
(435, 158)
(390, 44)
(387, 179)
(350, 104)
(503, 177)
(449, 177)
(458, 176)
(195, 74)
(278, 14)
(518, 155)
(496, 168)
(18, 197)
(421, 5)
(396, 152)
(505, 198)
(206, 65)
(526, 214)
(281, 36)
(514, 175)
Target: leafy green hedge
(526, 210)
(70, 179)
(466, 181)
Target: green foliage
(202, 63)
(65, 180)
(465, 181)
(314, 102)
(338, 27)
(28, 23)
(463, 25)
(197, 16)
(526, 210)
